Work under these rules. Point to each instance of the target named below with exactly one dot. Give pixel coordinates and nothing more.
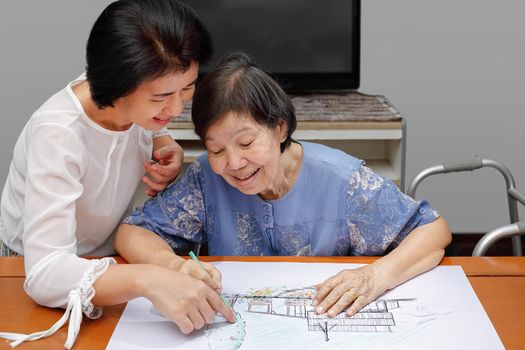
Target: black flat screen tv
(307, 45)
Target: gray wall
(41, 49)
(455, 69)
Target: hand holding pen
(203, 268)
(202, 271)
(188, 302)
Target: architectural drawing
(296, 304)
(436, 310)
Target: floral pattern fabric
(337, 206)
(6, 251)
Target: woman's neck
(291, 160)
(108, 118)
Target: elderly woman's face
(245, 153)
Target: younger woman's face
(245, 153)
(154, 103)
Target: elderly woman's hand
(210, 275)
(352, 288)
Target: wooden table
(499, 283)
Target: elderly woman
(259, 192)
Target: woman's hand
(210, 275)
(420, 251)
(161, 174)
(352, 288)
(188, 302)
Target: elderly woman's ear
(283, 130)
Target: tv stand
(366, 126)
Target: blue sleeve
(379, 215)
(176, 214)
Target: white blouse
(69, 184)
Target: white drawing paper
(436, 310)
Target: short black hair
(238, 85)
(133, 41)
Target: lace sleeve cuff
(78, 302)
(86, 290)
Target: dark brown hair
(238, 85)
(133, 41)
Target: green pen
(194, 257)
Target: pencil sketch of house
(296, 303)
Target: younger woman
(79, 159)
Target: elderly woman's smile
(245, 179)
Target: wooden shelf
(385, 169)
(318, 130)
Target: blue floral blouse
(337, 206)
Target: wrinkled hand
(355, 288)
(210, 275)
(162, 173)
(188, 302)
